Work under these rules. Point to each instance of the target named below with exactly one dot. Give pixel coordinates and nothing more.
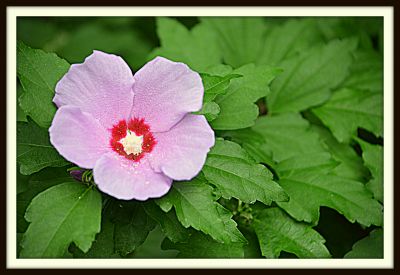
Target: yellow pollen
(132, 143)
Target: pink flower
(135, 131)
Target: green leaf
(366, 73)
(287, 135)
(350, 109)
(238, 108)
(236, 174)
(39, 73)
(196, 206)
(373, 158)
(215, 85)
(309, 77)
(351, 165)
(210, 110)
(194, 47)
(276, 232)
(21, 116)
(68, 212)
(370, 247)
(38, 183)
(241, 39)
(200, 246)
(346, 196)
(132, 225)
(169, 223)
(34, 151)
(287, 39)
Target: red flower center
(132, 140)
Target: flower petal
(78, 136)
(126, 180)
(101, 85)
(181, 152)
(165, 92)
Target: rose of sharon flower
(135, 131)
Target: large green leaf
(287, 135)
(276, 232)
(39, 73)
(350, 109)
(196, 206)
(351, 165)
(238, 108)
(65, 213)
(370, 247)
(35, 184)
(373, 158)
(34, 151)
(236, 174)
(200, 245)
(194, 47)
(287, 39)
(308, 78)
(241, 39)
(310, 185)
(366, 73)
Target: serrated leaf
(366, 73)
(241, 39)
(196, 206)
(194, 48)
(39, 73)
(34, 151)
(276, 232)
(235, 174)
(309, 77)
(132, 226)
(169, 223)
(36, 184)
(291, 37)
(200, 246)
(371, 247)
(287, 135)
(238, 108)
(68, 212)
(349, 109)
(351, 165)
(373, 158)
(315, 187)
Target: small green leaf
(371, 247)
(235, 174)
(276, 232)
(241, 39)
(238, 108)
(373, 158)
(39, 73)
(346, 196)
(210, 110)
(216, 85)
(196, 206)
(194, 47)
(69, 212)
(287, 135)
(132, 225)
(309, 77)
(34, 151)
(350, 109)
(351, 165)
(200, 246)
(169, 223)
